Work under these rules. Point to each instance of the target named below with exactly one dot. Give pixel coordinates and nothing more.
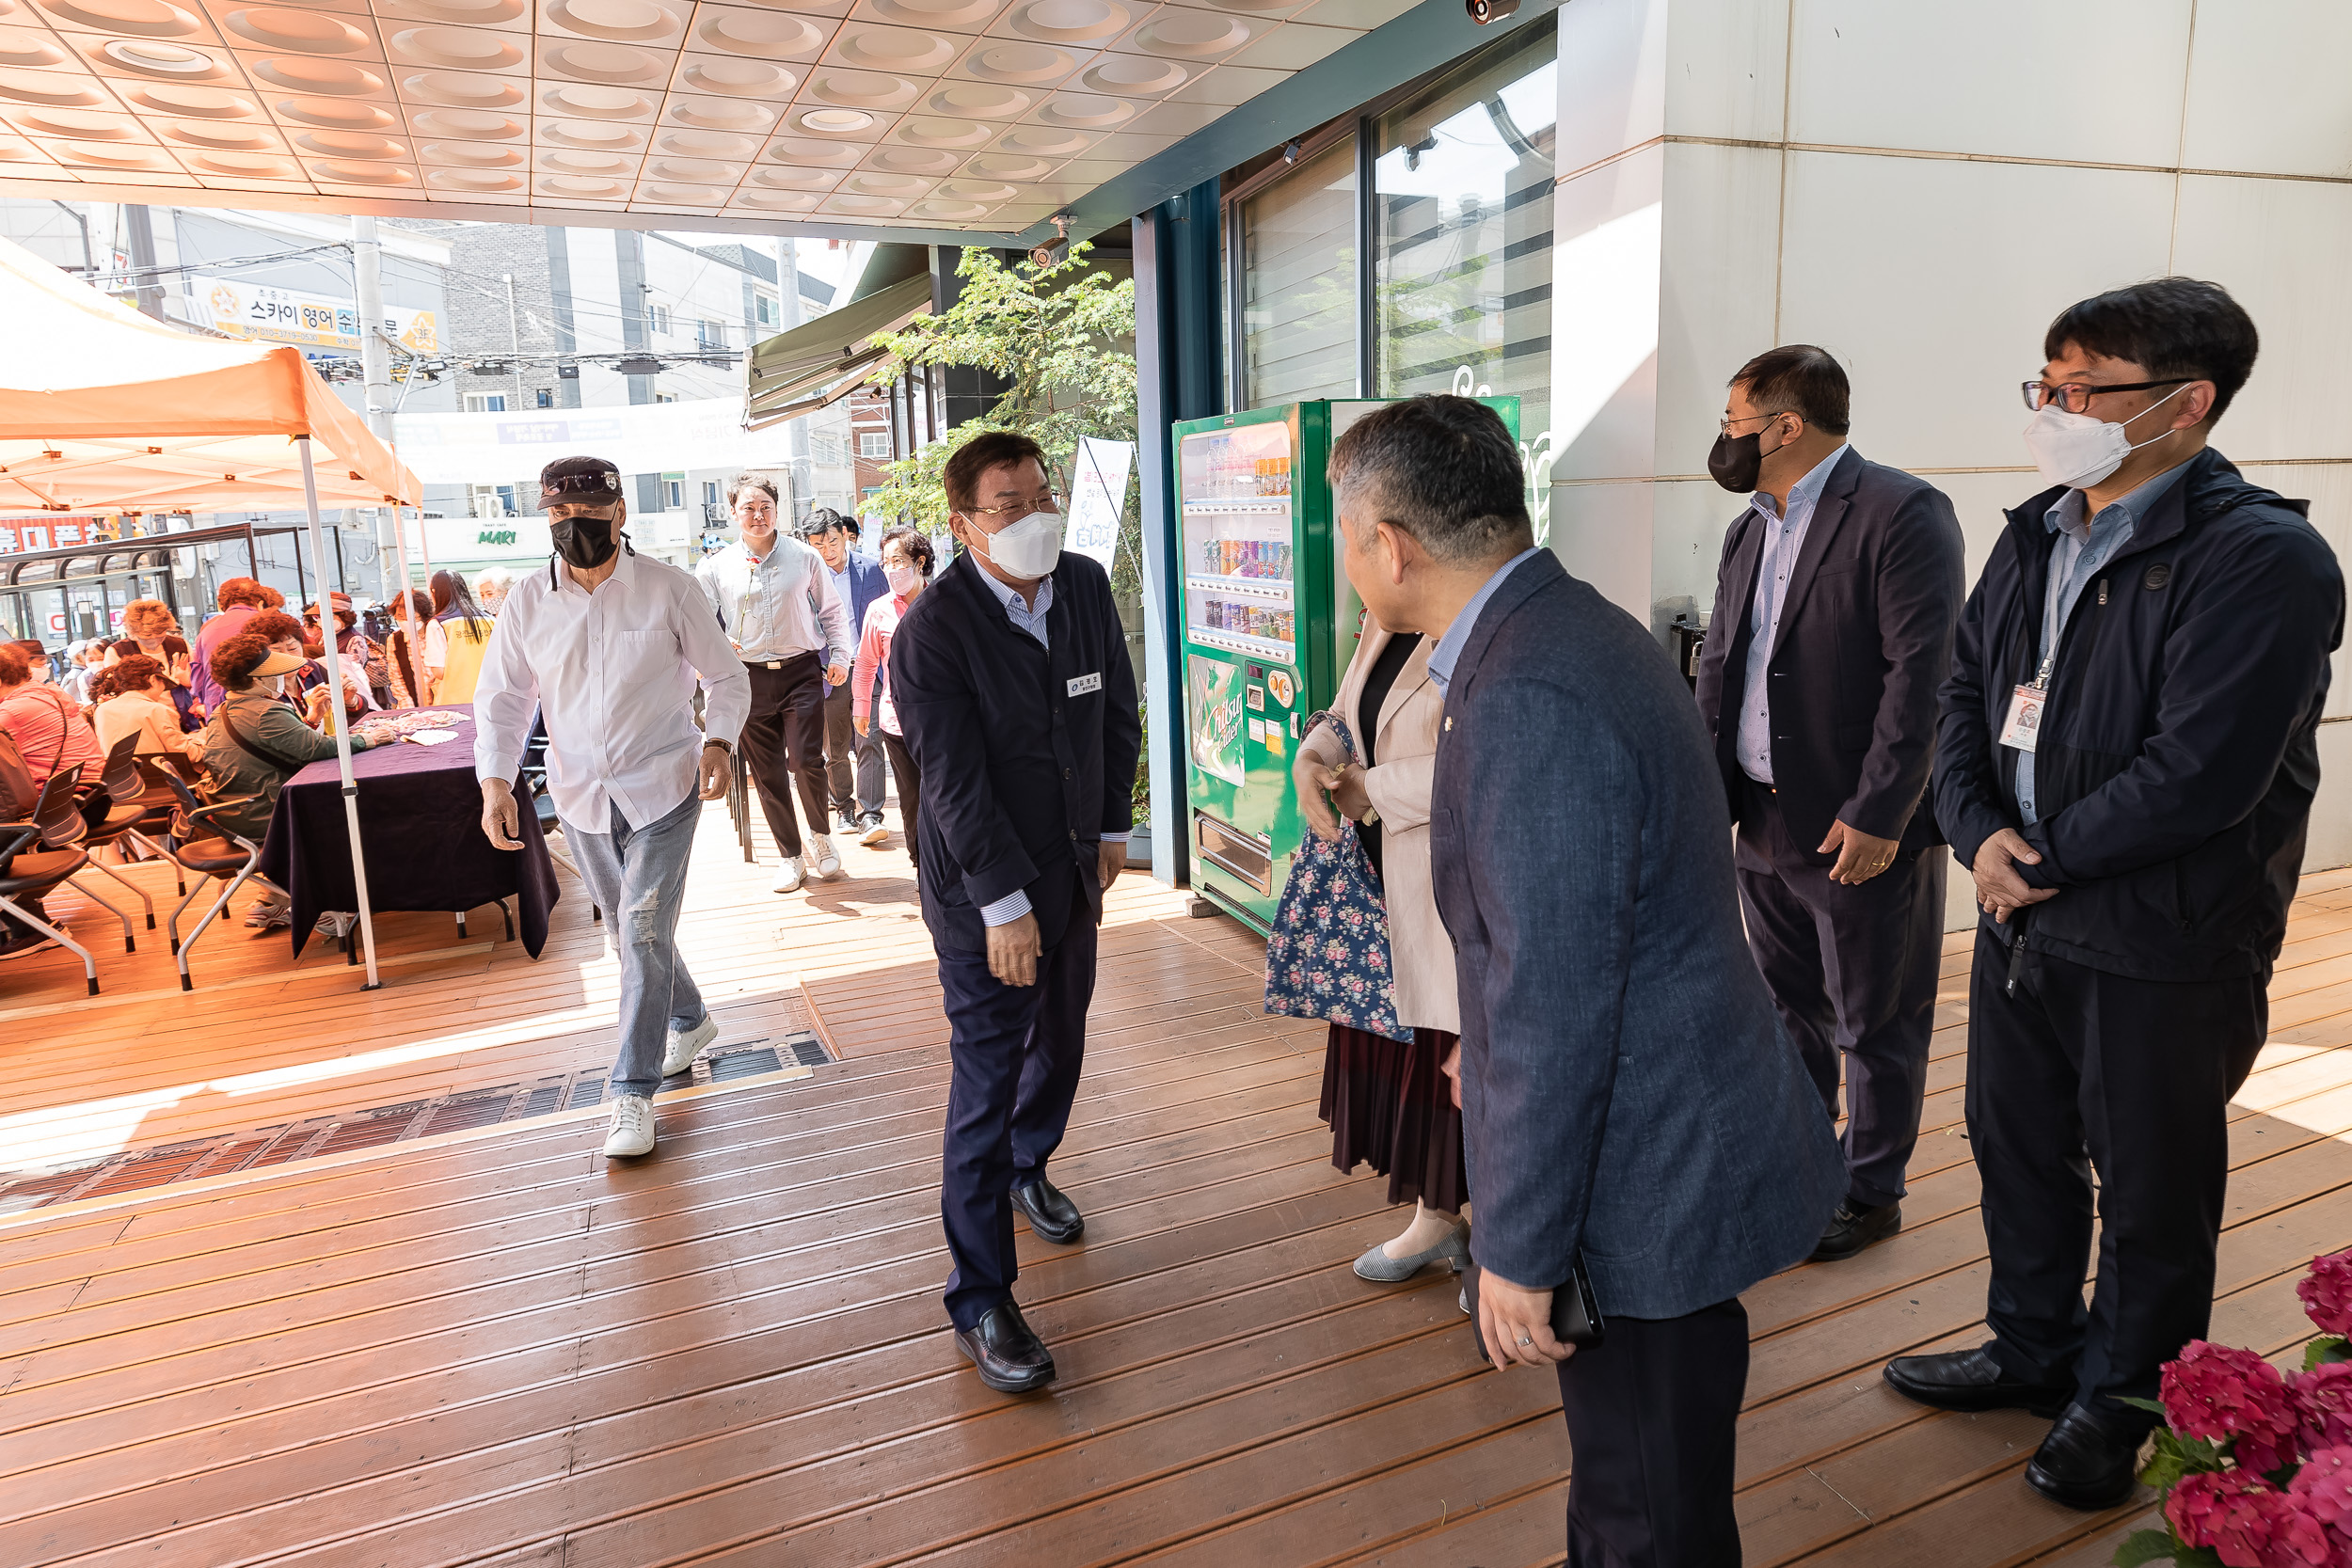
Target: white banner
(280, 316)
(640, 438)
(1098, 495)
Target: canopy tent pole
(335, 715)
(403, 616)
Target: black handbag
(1575, 1313)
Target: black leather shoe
(1855, 1227)
(1011, 1359)
(2089, 1461)
(1969, 1379)
(1052, 1215)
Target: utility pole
(376, 379)
(514, 341)
(795, 431)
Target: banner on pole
(1098, 497)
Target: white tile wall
(1612, 74)
(2329, 843)
(1934, 281)
(2278, 246)
(2266, 88)
(1601, 533)
(1720, 270)
(1606, 236)
(1728, 68)
(2095, 81)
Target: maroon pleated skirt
(1391, 1106)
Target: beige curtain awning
(822, 361)
(104, 409)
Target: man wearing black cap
(607, 645)
(776, 603)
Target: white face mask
(902, 579)
(1028, 548)
(2077, 449)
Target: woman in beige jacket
(1389, 1101)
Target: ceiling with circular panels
(981, 115)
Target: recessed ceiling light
(163, 59)
(836, 122)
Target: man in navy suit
(1012, 682)
(857, 581)
(1629, 1100)
(1834, 610)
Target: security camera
(1485, 12)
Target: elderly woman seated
(255, 743)
(134, 698)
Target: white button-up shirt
(615, 674)
(780, 605)
(1784, 537)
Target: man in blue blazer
(1012, 682)
(1629, 1099)
(854, 763)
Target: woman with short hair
(134, 698)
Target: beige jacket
(1406, 746)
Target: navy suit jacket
(867, 584)
(1627, 1090)
(1028, 757)
(1866, 639)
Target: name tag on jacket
(1081, 684)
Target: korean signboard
(245, 310)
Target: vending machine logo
(1278, 683)
(1213, 693)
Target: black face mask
(584, 542)
(1737, 460)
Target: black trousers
(785, 739)
(2082, 1071)
(909, 779)
(1653, 1425)
(848, 752)
(1016, 1052)
(1853, 971)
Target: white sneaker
(631, 1129)
(874, 832)
(790, 875)
(681, 1050)
(821, 855)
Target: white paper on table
(431, 737)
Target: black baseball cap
(579, 479)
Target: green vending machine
(1270, 624)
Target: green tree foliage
(1063, 335)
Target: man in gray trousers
(1631, 1104)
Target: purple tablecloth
(420, 829)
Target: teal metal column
(1180, 375)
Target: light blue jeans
(637, 876)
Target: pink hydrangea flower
(2249, 1524)
(2219, 1392)
(2323, 1487)
(2323, 1405)
(2327, 1292)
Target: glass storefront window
(1462, 223)
(1298, 283)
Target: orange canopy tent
(104, 409)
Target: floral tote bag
(1329, 956)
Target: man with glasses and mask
(793, 635)
(608, 645)
(2126, 764)
(1011, 679)
(1834, 608)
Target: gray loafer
(1377, 1266)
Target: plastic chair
(136, 807)
(26, 872)
(62, 827)
(207, 852)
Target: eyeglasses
(1723, 427)
(2075, 397)
(1050, 502)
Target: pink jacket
(873, 647)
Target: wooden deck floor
(494, 1349)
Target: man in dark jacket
(1629, 1102)
(2126, 764)
(1012, 682)
(1833, 611)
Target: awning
(104, 409)
(822, 361)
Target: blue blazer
(1627, 1090)
(1028, 757)
(867, 584)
